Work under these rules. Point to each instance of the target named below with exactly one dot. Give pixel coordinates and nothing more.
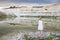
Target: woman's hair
(40, 18)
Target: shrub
(50, 37)
(26, 37)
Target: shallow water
(9, 26)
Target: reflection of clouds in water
(17, 12)
(27, 19)
(17, 19)
(11, 11)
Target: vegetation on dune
(2, 16)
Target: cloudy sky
(8, 2)
(32, 1)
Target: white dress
(40, 25)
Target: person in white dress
(40, 26)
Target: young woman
(40, 26)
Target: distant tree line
(12, 7)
